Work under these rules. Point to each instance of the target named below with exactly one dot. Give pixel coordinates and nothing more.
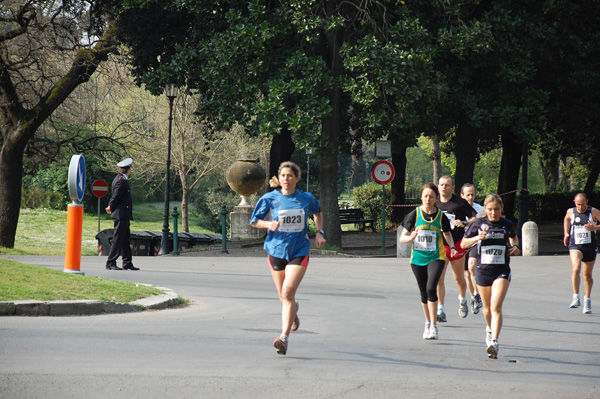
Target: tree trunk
(550, 172)
(11, 179)
(358, 162)
(592, 177)
(331, 128)
(282, 149)
(508, 179)
(465, 150)
(359, 174)
(185, 194)
(398, 184)
(436, 156)
(562, 180)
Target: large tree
(47, 49)
(278, 67)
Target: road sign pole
(383, 219)
(76, 184)
(99, 205)
(73, 241)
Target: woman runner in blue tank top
(284, 213)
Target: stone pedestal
(530, 242)
(402, 248)
(240, 223)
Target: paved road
(360, 337)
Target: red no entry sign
(99, 188)
(383, 172)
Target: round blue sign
(77, 178)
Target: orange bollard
(74, 234)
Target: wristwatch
(322, 232)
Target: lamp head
(171, 90)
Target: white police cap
(125, 163)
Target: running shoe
(463, 309)
(492, 350)
(296, 323)
(575, 303)
(426, 332)
(479, 303)
(433, 332)
(280, 345)
(441, 316)
(488, 336)
(587, 306)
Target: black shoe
(130, 267)
(113, 267)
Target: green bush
(210, 196)
(36, 197)
(368, 198)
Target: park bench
(356, 217)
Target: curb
(86, 307)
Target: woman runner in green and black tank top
(425, 226)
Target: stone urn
(245, 177)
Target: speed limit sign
(383, 172)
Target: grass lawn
(20, 281)
(44, 231)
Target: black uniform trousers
(120, 244)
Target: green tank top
(428, 245)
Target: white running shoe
(426, 332)
(488, 336)
(492, 350)
(433, 332)
(587, 306)
(575, 303)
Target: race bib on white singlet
(493, 254)
(582, 236)
(291, 220)
(425, 240)
(451, 218)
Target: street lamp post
(171, 92)
(308, 154)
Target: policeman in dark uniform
(120, 210)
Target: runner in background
(467, 192)
(580, 226)
(458, 211)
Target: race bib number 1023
(291, 220)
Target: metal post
(175, 236)
(99, 205)
(309, 151)
(224, 229)
(307, 171)
(523, 194)
(165, 229)
(383, 220)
